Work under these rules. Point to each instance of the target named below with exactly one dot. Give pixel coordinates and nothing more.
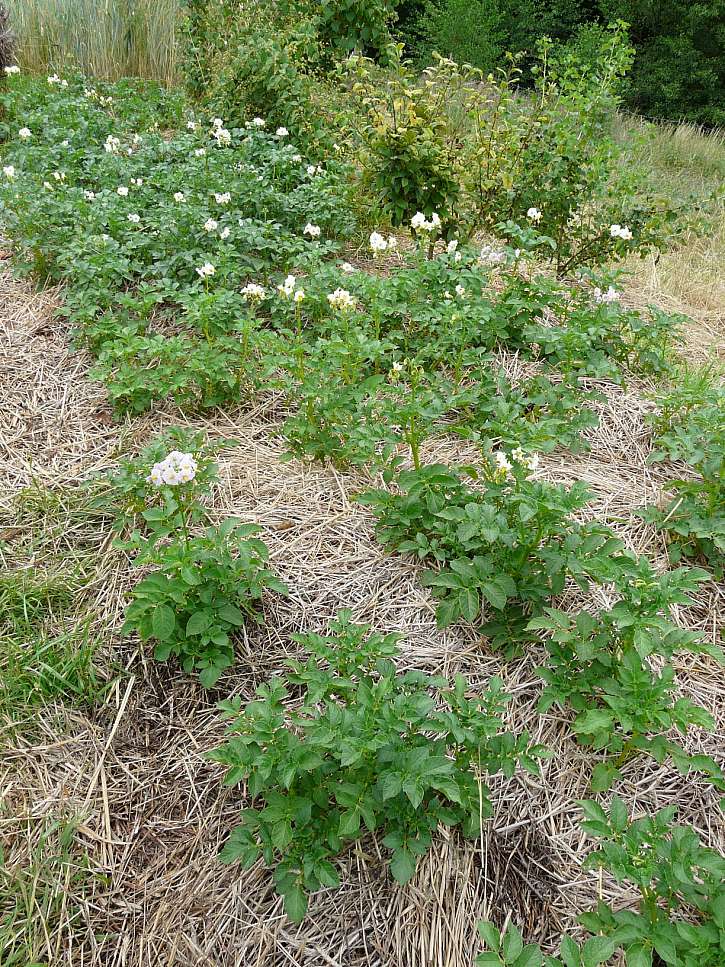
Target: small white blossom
(222, 136)
(282, 132)
(12, 69)
(222, 198)
(89, 195)
(313, 170)
(47, 184)
(137, 182)
(122, 190)
(210, 225)
(9, 172)
(392, 243)
(177, 468)
(377, 243)
(620, 231)
(133, 217)
(25, 133)
(287, 287)
(312, 230)
(179, 196)
(534, 215)
(217, 123)
(452, 246)
(299, 295)
(346, 267)
(199, 152)
(398, 367)
(191, 125)
(610, 295)
(419, 223)
(460, 291)
(254, 292)
(503, 465)
(225, 233)
(491, 256)
(258, 123)
(111, 144)
(341, 299)
(59, 175)
(297, 158)
(206, 270)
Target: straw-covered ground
(111, 817)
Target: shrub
(363, 748)
(360, 25)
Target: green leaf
(513, 944)
(402, 865)
(488, 960)
(638, 956)
(295, 903)
(198, 623)
(531, 956)
(490, 934)
(603, 775)
(618, 814)
(569, 952)
(163, 622)
(596, 950)
(231, 614)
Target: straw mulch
(143, 885)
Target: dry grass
(111, 819)
(686, 164)
(109, 39)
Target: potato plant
(364, 749)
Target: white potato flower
(89, 195)
(9, 172)
(341, 300)
(222, 198)
(206, 270)
(211, 225)
(312, 230)
(606, 297)
(282, 132)
(122, 190)
(287, 287)
(491, 256)
(177, 468)
(254, 292)
(377, 243)
(179, 196)
(225, 233)
(133, 217)
(503, 464)
(534, 215)
(199, 152)
(25, 133)
(12, 69)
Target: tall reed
(104, 38)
